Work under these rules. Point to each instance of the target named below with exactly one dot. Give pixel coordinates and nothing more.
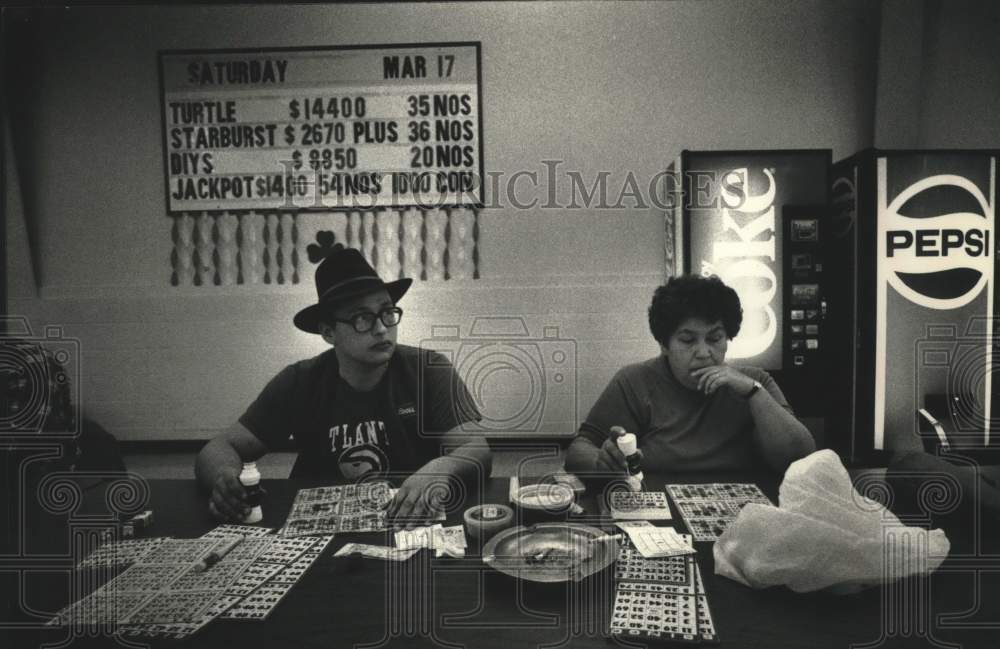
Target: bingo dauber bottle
(629, 447)
(250, 479)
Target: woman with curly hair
(689, 408)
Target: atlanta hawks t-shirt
(343, 434)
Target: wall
(961, 77)
(938, 82)
(602, 87)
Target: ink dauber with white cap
(628, 445)
(250, 479)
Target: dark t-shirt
(679, 429)
(343, 434)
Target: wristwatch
(753, 390)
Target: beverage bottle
(628, 445)
(250, 479)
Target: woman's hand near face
(714, 377)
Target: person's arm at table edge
(581, 455)
(780, 437)
(217, 467)
(464, 456)
(593, 450)
(449, 406)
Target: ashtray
(551, 552)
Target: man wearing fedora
(368, 406)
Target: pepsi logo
(936, 241)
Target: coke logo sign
(744, 257)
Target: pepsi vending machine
(756, 219)
(910, 281)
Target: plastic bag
(824, 535)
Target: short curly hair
(693, 296)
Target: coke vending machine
(911, 281)
(757, 219)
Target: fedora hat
(342, 274)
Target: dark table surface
(345, 602)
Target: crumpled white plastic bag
(823, 534)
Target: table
(428, 602)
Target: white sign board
(322, 128)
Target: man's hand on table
(418, 499)
(228, 501)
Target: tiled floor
(278, 465)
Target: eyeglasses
(363, 322)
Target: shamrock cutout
(323, 248)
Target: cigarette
(608, 537)
(215, 556)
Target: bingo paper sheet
(639, 505)
(660, 600)
(164, 587)
(708, 509)
(340, 508)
